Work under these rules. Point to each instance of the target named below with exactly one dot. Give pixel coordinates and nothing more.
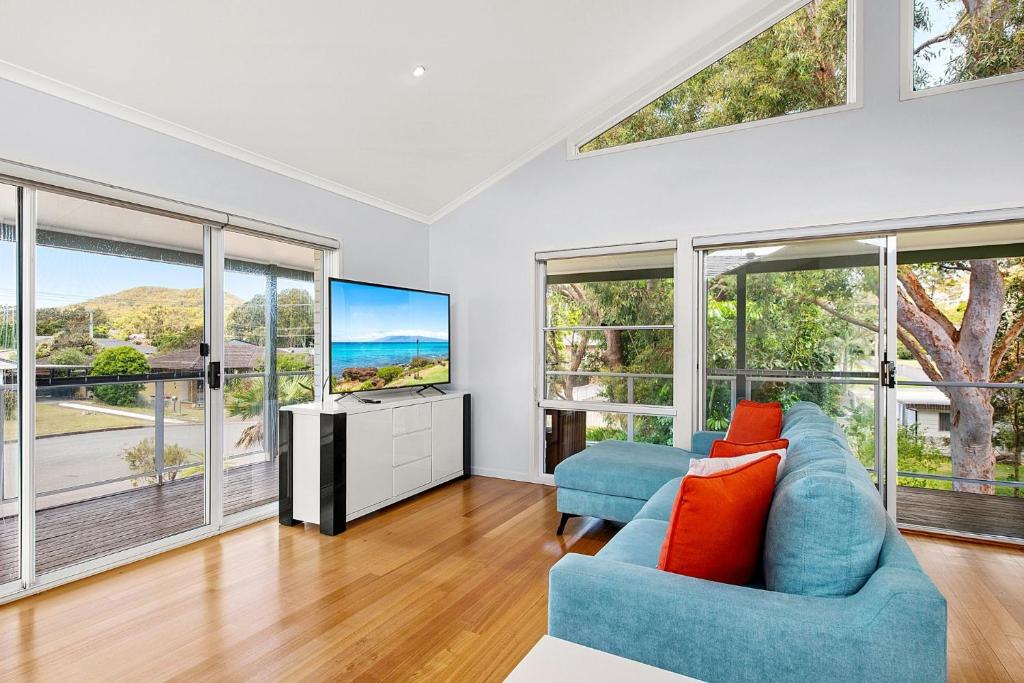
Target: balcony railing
(65, 377)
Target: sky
(65, 277)
(366, 313)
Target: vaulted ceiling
(323, 91)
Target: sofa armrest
(701, 441)
(893, 629)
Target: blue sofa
(842, 597)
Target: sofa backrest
(826, 525)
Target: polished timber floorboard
(449, 585)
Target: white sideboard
(341, 459)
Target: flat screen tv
(385, 337)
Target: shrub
(74, 340)
(293, 362)
(68, 357)
(366, 386)
(141, 458)
(389, 373)
(43, 350)
(120, 360)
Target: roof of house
(238, 355)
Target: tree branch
(924, 302)
(942, 37)
(999, 353)
(933, 339)
(920, 355)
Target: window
(944, 422)
(608, 351)
(800, 64)
(959, 42)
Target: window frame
(907, 91)
(854, 87)
(541, 403)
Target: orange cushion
(753, 421)
(716, 530)
(721, 448)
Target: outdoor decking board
(968, 512)
(75, 532)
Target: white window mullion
(27, 379)
(213, 270)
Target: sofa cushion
(753, 421)
(827, 524)
(639, 543)
(660, 504)
(620, 468)
(716, 531)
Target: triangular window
(797, 65)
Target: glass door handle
(889, 374)
(213, 374)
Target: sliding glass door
(272, 291)
(120, 456)
(799, 321)
(921, 362)
(959, 369)
(10, 447)
(143, 358)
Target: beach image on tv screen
(383, 337)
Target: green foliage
(619, 302)
(984, 39)
(67, 319)
(389, 373)
(141, 459)
(605, 434)
(73, 340)
(289, 362)
(120, 360)
(69, 356)
(294, 320)
(366, 386)
(797, 65)
(177, 339)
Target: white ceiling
(322, 90)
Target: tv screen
(387, 337)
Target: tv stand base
(430, 386)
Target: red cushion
(753, 421)
(721, 448)
(717, 526)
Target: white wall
(54, 134)
(946, 153)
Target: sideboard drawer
(409, 447)
(412, 475)
(411, 418)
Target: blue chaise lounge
(842, 597)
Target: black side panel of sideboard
(284, 462)
(467, 437)
(332, 473)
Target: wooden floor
(450, 585)
(74, 532)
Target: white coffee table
(553, 660)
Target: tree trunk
(613, 354)
(971, 416)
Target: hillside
(132, 299)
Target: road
(76, 459)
